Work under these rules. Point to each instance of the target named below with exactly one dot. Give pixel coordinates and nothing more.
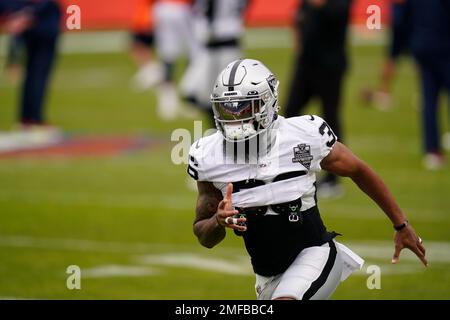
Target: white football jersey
(284, 173)
(218, 19)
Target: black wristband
(401, 226)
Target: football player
(257, 176)
(173, 39)
(218, 28)
(150, 71)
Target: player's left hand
(407, 238)
(226, 214)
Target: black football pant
(434, 73)
(40, 56)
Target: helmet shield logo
(273, 83)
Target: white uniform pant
(173, 31)
(314, 275)
(202, 72)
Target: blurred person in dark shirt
(15, 58)
(37, 23)
(429, 22)
(320, 65)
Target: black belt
(215, 44)
(291, 209)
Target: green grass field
(127, 220)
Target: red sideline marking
(86, 147)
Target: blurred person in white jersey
(149, 73)
(218, 28)
(173, 39)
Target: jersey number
(330, 132)
(192, 172)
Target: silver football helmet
(244, 100)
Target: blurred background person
(320, 65)
(37, 24)
(15, 58)
(218, 28)
(381, 97)
(174, 37)
(430, 44)
(150, 72)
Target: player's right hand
(225, 212)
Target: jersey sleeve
(326, 139)
(323, 140)
(195, 168)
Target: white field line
(238, 266)
(241, 265)
(15, 298)
(200, 262)
(93, 42)
(382, 250)
(65, 244)
(237, 263)
(108, 271)
(373, 213)
(390, 269)
(438, 252)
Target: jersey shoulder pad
(313, 125)
(307, 124)
(317, 133)
(200, 155)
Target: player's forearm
(206, 227)
(369, 182)
(209, 232)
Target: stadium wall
(121, 14)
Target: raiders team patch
(302, 154)
(272, 81)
